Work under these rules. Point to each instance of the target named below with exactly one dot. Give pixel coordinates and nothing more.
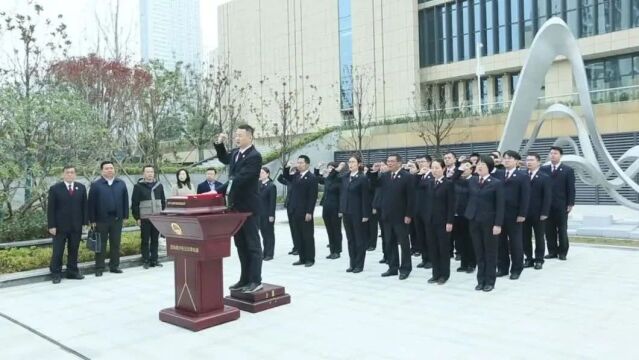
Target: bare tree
(285, 113)
(357, 91)
(113, 33)
(434, 123)
(230, 98)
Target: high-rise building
(170, 31)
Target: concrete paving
(586, 307)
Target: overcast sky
(80, 18)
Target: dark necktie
(70, 189)
(481, 181)
(394, 175)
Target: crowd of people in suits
(481, 210)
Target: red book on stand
(206, 203)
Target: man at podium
(242, 190)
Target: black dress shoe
(291, 252)
(296, 253)
(268, 258)
(328, 245)
(357, 270)
(253, 287)
(428, 265)
(501, 273)
(350, 269)
(238, 286)
(562, 257)
(116, 271)
(309, 263)
(382, 261)
(297, 263)
(441, 281)
(470, 269)
(417, 254)
(514, 276)
(56, 279)
(371, 248)
(145, 265)
(550, 256)
(479, 287)
(75, 276)
(528, 264)
(432, 280)
(156, 264)
(457, 257)
(420, 265)
(488, 288)
(461, 269)
(389, 273)
(98, 273)
(403, 276)
(539, 266)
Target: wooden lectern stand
(198, 231)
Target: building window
(501, 25)
(499, 92)
(452, 13)
(484, 94)
(515, 25)
(466, 31)
(490, 36)
(468, 89)
(529, 31)
(542, 12)
(610, 73)
(455, 91)
(571, 17)
(345, 54)
(588, 18)
(514, 82)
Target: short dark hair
(536, 155)
(333, 164)
(474, 154)
(67, 167)
(106, 162)
(425, 156)
(266, 170)
(495, 151)
(356, 157)
(440, 162)
(558, 148)
(396, 156)
(513, 154)
(249, 129)
(148, 166)
(488, 160)
(452, 153)
(305, 158)
(212, 169)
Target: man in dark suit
(461, 232)
(66, 214)
(423, 208)
(516, 197)
(563, 199)
(485, 212)
(538, 210)
(242, 190)
(398, 209)
(301, 205)
(210, 184)
(289, 170)
(148, 189)
(330, 207)
(373, 221)
(108, 208)
(268, 197)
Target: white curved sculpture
(555, 39)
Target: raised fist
(221, 138)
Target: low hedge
(32, 226)
(38, 257)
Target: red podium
(198, 231)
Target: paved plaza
(586, 307)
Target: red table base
(197, 322)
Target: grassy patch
(37, 257)
(604, 241)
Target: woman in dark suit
(485, 212)
(355, 208)
(440, 224)
(268, 196)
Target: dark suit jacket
(332, 186)
(516, 194)
(245, 175)
(485, 202)
(268, 197)
(540, 196)
(563, 186)
(424, 203)
(355, 196)
(398, 195)
(498, 173)
(204, 187)
(442, 197)
(303, 194)
(65, 212)
(107, 202)
(461, 195)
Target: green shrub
(37, 257)
(29, 226)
